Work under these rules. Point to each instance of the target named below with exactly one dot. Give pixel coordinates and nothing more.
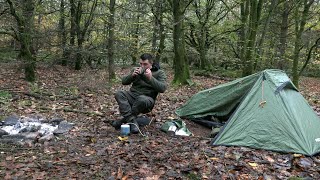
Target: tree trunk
(78, 64)
(156, 25)
(260, 50)
(158, 31)
(244, 12)
(255, 12)
(161, 43)
(25, 20)
(63, 34)
(181, 68)
(281, 64)
(82, 22)
(314, 46)
(112, 74)
(199, 32)
(135, 35)
(204, 63)
(300, 22)
(72, 28)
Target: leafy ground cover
(92, 149)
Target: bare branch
(316, 44)
(4, 11)
(185, 8)
(12, 34)
(231, 9)
(13, 10)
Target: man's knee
(119, 94)
(145, 101)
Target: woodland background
(64, 58)
(227, 37)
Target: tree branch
(231, 10)
(4, 11)
(185, 8)
(13, 10)
(90, 113)
(2, 31)
(316, 44)
(12, 34)
(90, 18)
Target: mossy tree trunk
(300, 22)
(135, 34)
(250, 11)
(112, 74)
(265, 23)
(181, 68)
(24, 15)
(161, 43)
(158, 35)
(244, 12)
(202, 38)
(70, 48)
(78, 64)
(82, 23)
(198, 36)
(255, 7)
(63, 33)
(281, 64)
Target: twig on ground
(74, 110)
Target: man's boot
(134, 128)
(117, 124)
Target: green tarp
(265, 111)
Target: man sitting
(147, 81)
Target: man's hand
(148, 74)
(136, 72)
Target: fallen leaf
(123, 138)
(252, 164)
(8, 176)
(214, 158)
(155, 177)
(297, 155)
(124, 177)
(9, 158)
(119, 173)
(271, 160)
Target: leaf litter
(92, 150)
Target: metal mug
(125, 129)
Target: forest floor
(92, 149)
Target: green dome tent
(265, 111)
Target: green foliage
(5, 98)
(312, 71)
(190, 82)
(296, 178)
(8, 55)
(193, 176)
(24, 103)
(228, 73)
(35, 88)
(45, 56)
(134, 34)
(69, 91)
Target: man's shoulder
(159, 72)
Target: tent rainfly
(265, 110)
